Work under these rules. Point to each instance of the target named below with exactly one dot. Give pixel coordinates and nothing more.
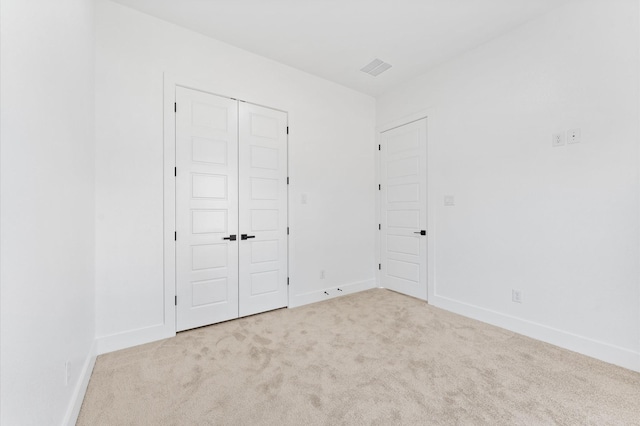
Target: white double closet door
(231, 209)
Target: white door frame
(429, 115)
(169, 204)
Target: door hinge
(175, 107)
(176, 301)
(379, 266)
(175, 171)
(379, 187)
(287, 280)
(175, 236)
(287, 180)
(287, 129)
(287, 230)
(379, 147)
(379, 226)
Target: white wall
(47, 208)
(331, 159)
(560, 224)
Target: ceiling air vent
(375, 67)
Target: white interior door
(206, 208)
(263, 209)
(404, 209)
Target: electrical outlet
(322, 274)
(557, 139)
(516, 296)
(67, 373)
(573, 136)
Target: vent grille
(375, 67)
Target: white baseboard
(80, 390)
(596, 349)
(130, 338)
(330, 293)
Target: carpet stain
(315, 401)
(273, 385)
(261, 340)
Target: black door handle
(230, 238)
(246, 237)
(421, 232)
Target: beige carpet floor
(375, 357)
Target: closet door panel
(263, 209)
(206, 208)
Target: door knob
(423, 232)
(230, 238)
(246, 237)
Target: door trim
(170, 82)
(429, 115)
(169, 205)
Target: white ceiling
(333, 39)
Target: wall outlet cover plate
(557, 139)
(573, 136)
